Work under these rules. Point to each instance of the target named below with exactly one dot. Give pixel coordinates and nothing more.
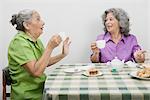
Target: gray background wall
(81, 19)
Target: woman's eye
(111, 19)
(38, 19)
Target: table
(110, 86)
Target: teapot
(116, 63)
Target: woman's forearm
(56, 59)
(43, 62)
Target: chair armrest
(7, 76)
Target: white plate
(86, 74)
(131, 64)
(85, 67)
(72, 70)
(134, 74)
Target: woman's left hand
(139, 56)
(66, 44)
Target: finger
(94, 48)
(141, 53)
(142, 56)
(67, 39)
(144, 51)
(69, 43)
(138, 50)
(59, 40)
(57, 36)
(93, 45)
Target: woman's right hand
(54, 41)
(94, 48)
(96, 51)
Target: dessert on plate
(93, 71)
(144, 73)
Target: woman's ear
(26, 25)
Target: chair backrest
(6, 81)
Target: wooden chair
(6, 82)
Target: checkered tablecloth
(110, 86)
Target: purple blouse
(124, 50)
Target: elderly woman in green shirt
(28, 58)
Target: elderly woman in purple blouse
(119, 42)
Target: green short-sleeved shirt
(22, 50)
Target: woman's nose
(107, 22)
(43, 23)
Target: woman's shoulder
(18, 40)
(100, 36)
(132, 36)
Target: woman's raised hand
(94, 48)
(66, 44)
(54, 41)
(139, 56)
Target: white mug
(100, 43)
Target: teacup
(100, 44)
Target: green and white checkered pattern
(110, 86)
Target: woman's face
(35, 25)
(111, 23)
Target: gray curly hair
(121, 16)
(23, 16)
